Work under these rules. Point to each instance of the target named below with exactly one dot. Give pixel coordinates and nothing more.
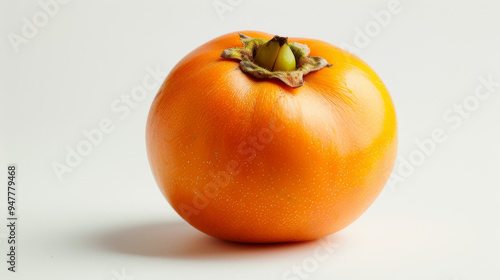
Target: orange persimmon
(249, 155)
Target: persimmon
(247, 153)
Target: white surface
(107, 215)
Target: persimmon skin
(251, 160)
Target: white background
(108, 220)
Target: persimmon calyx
(275, 59)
